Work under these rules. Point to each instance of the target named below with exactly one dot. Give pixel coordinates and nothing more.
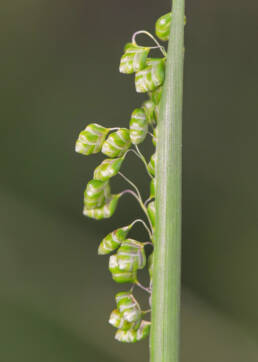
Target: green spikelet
(128, 307)
(134, 58)
(113, 240)
(155, 97)
(162, 27)
(152, 212)
(149, 109)
(151, 77)
(131, 256)
(138, 126)
(129, 336)
(118, 275)
(117, 143)
(108, 168)
(143, 331)
(116, 320)
(91, 139)
(96, 194)
(105, 211)
(152, 164)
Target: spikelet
(117, 143)
(129, 336)
(91, 139)
(108, 168)
(96, 194)
(131, 256)
(113, 240)
(149, 109)
(152, 164)
(134, 58)
(132, 336)
(162, 27)
(128, 307)
(151, 77)
(116, 320)
(143, 331)
(118, 275)
(152, 212)
(138, 126)
(105, 211)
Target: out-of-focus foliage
(57, 75)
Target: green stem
(164, 346)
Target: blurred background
(59, 71)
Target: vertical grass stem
(164, 342)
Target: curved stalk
(164, 346)
(140, 202)
(145, 225)
(140, 155)
(131, 184)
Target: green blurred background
(59, 71)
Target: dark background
(59, 71)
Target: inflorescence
(100, 203)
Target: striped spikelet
(104, 212)
(108, 168)
(118, 275)
(162, 27)
(113, 240)
(131, 256)
(128, 307)
(128, 313)
(116, 320)
(149, 109)
(138, 126)
(117, 143)
(132, 336)
(96, 194)
(91, 139)
(152, 164)
(134, 58)
(151, 77)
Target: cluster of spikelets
(100, 203)
(127, 318)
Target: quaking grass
(160, 117)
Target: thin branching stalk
(164, 346)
